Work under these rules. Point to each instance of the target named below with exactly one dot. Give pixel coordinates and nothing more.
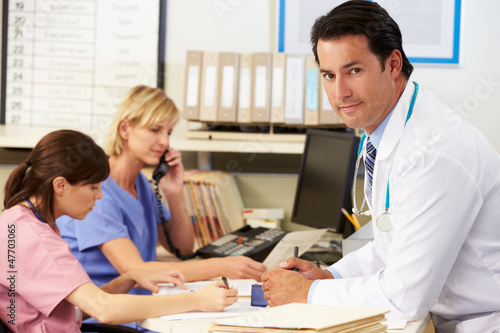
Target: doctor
(435, 191)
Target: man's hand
(306, 268)
(283, 286)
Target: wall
(250, 26)
(473, 88)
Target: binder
(228, 83)
(210, 87)
(245, 87)
(278, 88)
(261, 106)
(311, 88)
(326, 114)
(193, 84)
(294, 89)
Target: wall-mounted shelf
(257, 138)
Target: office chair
(99, 328)
(103, 328)
(3, 328)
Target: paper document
(284, 249)
(396, 324)
(242, 307)
(244, 287)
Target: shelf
(26, 137)
(255, 143)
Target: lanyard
(408, 115)
(34, 210)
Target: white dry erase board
(68, 63)
(430, 28)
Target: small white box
(263, 217)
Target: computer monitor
(325, 180)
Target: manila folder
(306, 318)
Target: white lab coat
(443, 254)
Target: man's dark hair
(362, 17)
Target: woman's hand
(148, 279)
(240, 267)
(215, 297)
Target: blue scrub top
(117, 215)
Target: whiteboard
(430, 28)
(68, 63)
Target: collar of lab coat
(396, 125)
(385, 154)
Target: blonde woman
(122, 231)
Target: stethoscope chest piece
(384, 222)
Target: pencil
(349, 217)
(296, 255)
(355, 218)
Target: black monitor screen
(325, 180)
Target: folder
(326, 114)
(278, 88)
(245, 87)
(228, 83)
(193, 84)
(294, 89)
(311, 111)
(191, 211)
(306, 318)
(210, 87)
(261, 106)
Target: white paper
(227, 86)
(395, 324)
(193, 85)
(285, 248)
(277, 89)
(243, 286)
(325, 103)
(241, 307)
(260, 86)
(294, 90)
(210, 86)
(245, 88)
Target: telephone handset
(161, 169)
(158, 173)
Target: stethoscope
(383, 221)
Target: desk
(201, 325)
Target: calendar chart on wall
(68, 63)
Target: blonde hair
(143, 106)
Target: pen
(349, 217)
(296, 254)
(225, 282)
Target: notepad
(306, 318)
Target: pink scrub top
(37, 272)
